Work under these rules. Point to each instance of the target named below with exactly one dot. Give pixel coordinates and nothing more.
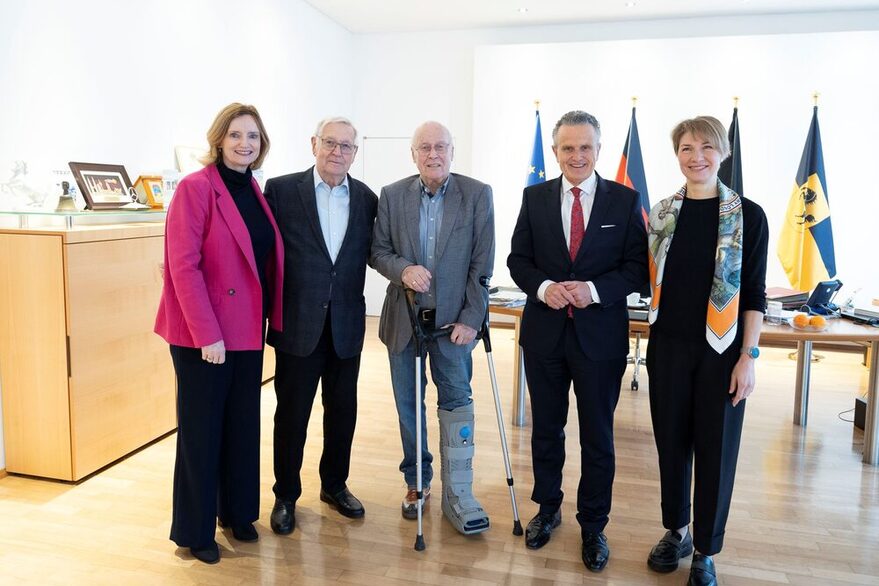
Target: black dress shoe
(344, 502)
(283, 519)
(540, 529)
(209, 554)
(671, 548)
(702, 571)
(595, 551)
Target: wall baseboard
(3, 473)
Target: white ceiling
(381, 16)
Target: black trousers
(216, 473)
(296, 380)
(693, 415)
(597, 389)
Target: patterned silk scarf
(723, 306)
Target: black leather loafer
(209, 554)
(540, 528)
(666, 554)
(702, 571)
(283, 519)
(344, 502)
(595, 551)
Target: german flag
(730, 172)
(631, 170)
(805, 246)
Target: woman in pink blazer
(224, 264)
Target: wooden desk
(838, 330)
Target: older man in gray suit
(435, 234)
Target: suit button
(325, 305)
(231, 291)
(571, 275)
(333, 274)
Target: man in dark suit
(326, 219)
(578, 249)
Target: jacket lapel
(232, 217)
(553, 210)
(451, 206)
(308, 200)
(413, 215)
(355, 207)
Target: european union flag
(631, 170)
(805, 246)
(537, 170)
(730, 172)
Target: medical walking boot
(456, 448)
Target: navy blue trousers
(217, 469)
(597, 389)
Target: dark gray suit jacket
(464, 253)
(313, 284)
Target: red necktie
(577, 230)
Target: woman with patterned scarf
(707, 248)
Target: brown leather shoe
(410, 502)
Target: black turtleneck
(262, 237)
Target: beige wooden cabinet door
(121, 379)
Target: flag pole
(537, 105)
(815, 97)
(735, 101)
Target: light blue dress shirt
(332, 210)
(430, 221)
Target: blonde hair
(707, 127)
(219, 128)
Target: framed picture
(149, 190)
(102, 186)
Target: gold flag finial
(735, 101)
(634, 101)
(815, 97)
(537, 104)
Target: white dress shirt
(587, 199)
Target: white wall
(119, 82)
(483, 83)
(775, 76)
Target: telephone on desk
(820, 302)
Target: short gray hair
(576, 118)
(335, 120)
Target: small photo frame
(102, 186)
(149, 190)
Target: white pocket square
(608, 225)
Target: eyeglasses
(441, 148)
(329, 145)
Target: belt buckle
(427, 316)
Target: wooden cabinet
(84, 379)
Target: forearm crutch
(486, 342)
(418, 334)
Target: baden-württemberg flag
(805, 246)
(631, 169)
(730, 172)
(536, 170)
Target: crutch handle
(483, 332)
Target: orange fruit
(801, 320)
(816, 321)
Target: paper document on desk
(507, 297)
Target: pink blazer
(212, 290)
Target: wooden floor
(805, 510)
